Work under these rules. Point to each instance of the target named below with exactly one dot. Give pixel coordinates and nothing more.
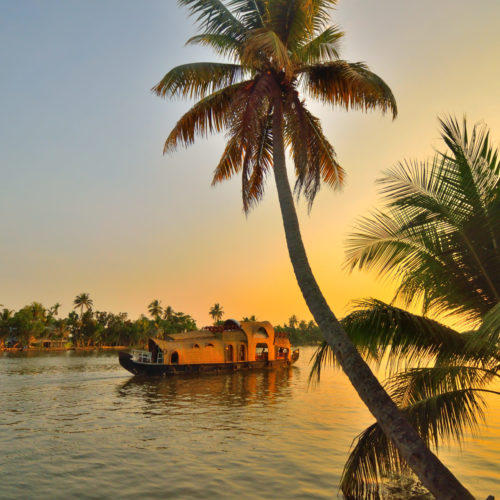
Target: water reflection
(262, 388)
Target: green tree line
(86, 327)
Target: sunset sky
(88, 202)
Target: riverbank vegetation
(35, 325)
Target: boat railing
(141, 356)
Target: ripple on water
(77, 426)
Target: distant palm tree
(279, 47)
(155, 309)
(168, 313)
(81, 301)
(439, 236)
(216, 312)
(6, 314)
(55, 309)
(249, 318)
(293, 321)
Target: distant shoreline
(61, 349)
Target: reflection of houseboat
(229, 347)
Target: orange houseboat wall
(225, 347)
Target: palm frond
(380, 329)
(197, 80)
(212, 16)
(224, 45)
(322, 357)
(350, 85)
(263, 48)
(321, 48)
(384, 332)
(252, 13)
(374, 459)
(249, 149)
(230, 162)
(211, 114)
(313, 155)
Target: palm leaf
(374, 460)
(197, 80)
(214, 17)
(384, 332)
(222, 44)
(321, 48)
(209, 115)
(313, 155)
(350, 85)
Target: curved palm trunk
(431, 472)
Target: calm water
(79, 426)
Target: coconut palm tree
(55, 309)
(155, 309)
(278, 48)
(81, 301)
(438, 236)
(216, 311)
(168, 313)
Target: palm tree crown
(216, 311)
(81, 301)
(279, 46)
(155, 309)
(439, 233)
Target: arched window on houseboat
(174, 358)
(261, 352)
(261, 333)
(242, 354)
(228, 354)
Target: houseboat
(226, 348)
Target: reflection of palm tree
(216, 312)
(278, 46)
(81, 301)
(439, 235)
(155, 309)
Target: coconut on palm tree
(216, 311)
(438, 235)
(278, 48)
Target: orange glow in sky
(89, 204)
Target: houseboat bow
(230, 347)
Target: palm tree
(55, 309)
(216, 311)
(155, 309)
(168, 313)
(438, 235)
(81, 301)
(277, 48)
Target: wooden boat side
(160, 369)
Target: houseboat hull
(160, 369)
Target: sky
(88, 202)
